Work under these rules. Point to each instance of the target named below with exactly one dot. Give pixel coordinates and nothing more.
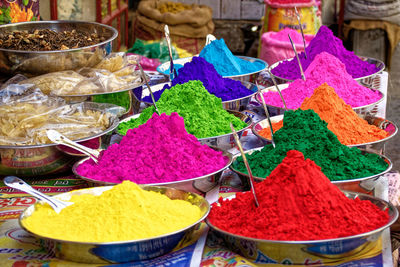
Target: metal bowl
(34, 160)
(363, 185)
(120, 251)
(325, 252)
(366, 81)
(195, 185)
(164, 68)
(222, 142)
(237, 104)
(33, 63)
(362, 111)
(375, 147)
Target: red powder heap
(297, 202)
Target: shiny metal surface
(325, 250)
(164, 68)
(365, 80)
(362, 185)
(190, 185)
(19, 184)
(238, 104)
(362, 111)
(32, 63)
(121, 251)
(43, 159)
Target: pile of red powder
(158, 151)
(297, 202)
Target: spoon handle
(301, 30)
(148, 87)
(15, 182)
(298, 59)
(267, 114)
(172, 70)
(58, 138)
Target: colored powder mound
(226, 64)
(125, 212)
(305, 131)
(329, 69)
(283, 36)
(297, 202)
(325, 41)
(199, 69)
(202, 112)
(158, 151)
(348, 127)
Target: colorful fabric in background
(19, 11)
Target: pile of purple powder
(329, 69)
(156, 152)
(199, 69)
(325, 41)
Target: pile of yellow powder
(125, 212)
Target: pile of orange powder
(342, 120)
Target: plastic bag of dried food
(25, 117)
(113, 62)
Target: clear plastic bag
(26, 115)
(115, 73)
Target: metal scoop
(301, 30)
(148, 87)
(210, 38)
(298, 59)
(246, 163)
(172, 70)
(17, 183)
(58, 138)
(267, 114)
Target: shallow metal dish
(33, 160)
(120, 251)
(223, 142)
(375, 147)
(366, 81)
(164, 68)
(363, 185)
(362, 111)
(191, 185)
(238, 104)
(40, 62)
(322, 251)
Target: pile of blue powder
(226, 64)
(199, 69)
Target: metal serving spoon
(148, 87)
(298, 59)
(246, 163)
(266, 113)
(172, 70)
(60, 139)
(301, 29)
(17, 183)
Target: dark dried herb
(48, 40)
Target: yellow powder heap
(125, 212)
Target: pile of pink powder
(158, 151)
(324, 68)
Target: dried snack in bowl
(62, 83)
(113, 62)
(24, 118)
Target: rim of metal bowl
(223, 102)
(377, 62)
(348, 194)
(247, 117)
(386, 159)
(286, 85)
(256, 133)
(113, 125)
(128, 241)
(13, 25)
(225, 154)
(251, 59)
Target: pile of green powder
(305, 131)
(202, 112)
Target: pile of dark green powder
(202, 112)
(305, 131)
